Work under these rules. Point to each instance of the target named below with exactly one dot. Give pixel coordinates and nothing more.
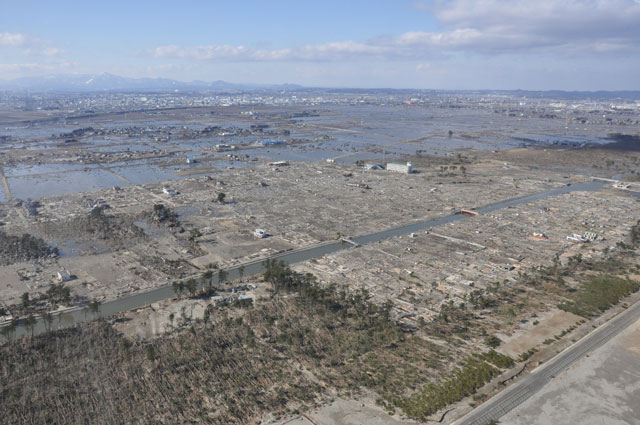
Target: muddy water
(29, 186)
(355, 132)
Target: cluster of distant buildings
(511, 103)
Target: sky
(424, 44)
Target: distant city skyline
(438, 44)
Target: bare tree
(30, 323)
(178, 288)
(9, 330)
(192, 286)
(94, 307)
(208, 277)
(241, 271)
(222, 276)
(48, 320)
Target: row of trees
(165, 215)
(460, 383)
(23, 248)
(30, 321)
(191, 286)
(230, 368)
(598, 294)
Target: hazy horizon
(51, 83)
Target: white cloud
(202, 52)
(28, 45)
(471, 27)
(8, 39)
(44, 51)
(526, 14)
(310, 52)
(339, 50)
(556, 26)
(21, 69)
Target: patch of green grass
(497, 359)
(475, 372)
(527, 354)
(492, 341)
(599, 294)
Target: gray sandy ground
(602, 389)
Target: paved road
(5, 185)
(516, 394)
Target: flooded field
(35, 186)
(39, 162)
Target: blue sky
(442, 44)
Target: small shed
(64, 276)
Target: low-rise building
(168, 191)
(373, 167)
(64, 276)
(400, 168)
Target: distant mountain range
(113, 83)
(110, 82)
